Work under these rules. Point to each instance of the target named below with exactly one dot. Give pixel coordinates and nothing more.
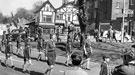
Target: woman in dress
(50, 54)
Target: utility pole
(97, 21)
(123, 22)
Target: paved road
(39, 67)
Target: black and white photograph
(67, 37)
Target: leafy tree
(6, 20)
(1, 17)
(85, 16)
(37, 5)
(23, 13)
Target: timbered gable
(46, 6)
(68, 13)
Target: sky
(8, 6)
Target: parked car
(16, 32)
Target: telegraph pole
(123, 22)
(97, 21)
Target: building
(111, 11)
(45, 17)
(50, 18)
(65, 15)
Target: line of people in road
(48, 49)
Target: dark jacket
(104, 69)
(128, 69)
(50, 46)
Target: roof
(46, 2)
(23, 21)
(64, 5)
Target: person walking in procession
(27, 55)
(50, 54)
(70, 38)
(19, 46)
(3, 41)
(9, 51)
(87, 51)
(40, 47)
(110, 34)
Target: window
(126, 5)
(117, 4)
(96, 4)
(47, 18)
(69, 17)
(131, 2)
(44, 19)
(47, 9)
(76, 17)
(60, 17)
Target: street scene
(67, 37)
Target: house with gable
(50, 18)
(45, 17)
(67, 14)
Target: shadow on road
(36, 73)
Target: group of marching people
(7, 44)
(47, 48)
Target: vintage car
(16, 32)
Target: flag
(13, 20)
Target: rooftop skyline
(8, 6)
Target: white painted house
(67, 14)
(45, 17)
(50, 18)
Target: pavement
(39, 67)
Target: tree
(23, 13)
(6, 20)
(37, 5)
(85, 16)
(1, 17)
